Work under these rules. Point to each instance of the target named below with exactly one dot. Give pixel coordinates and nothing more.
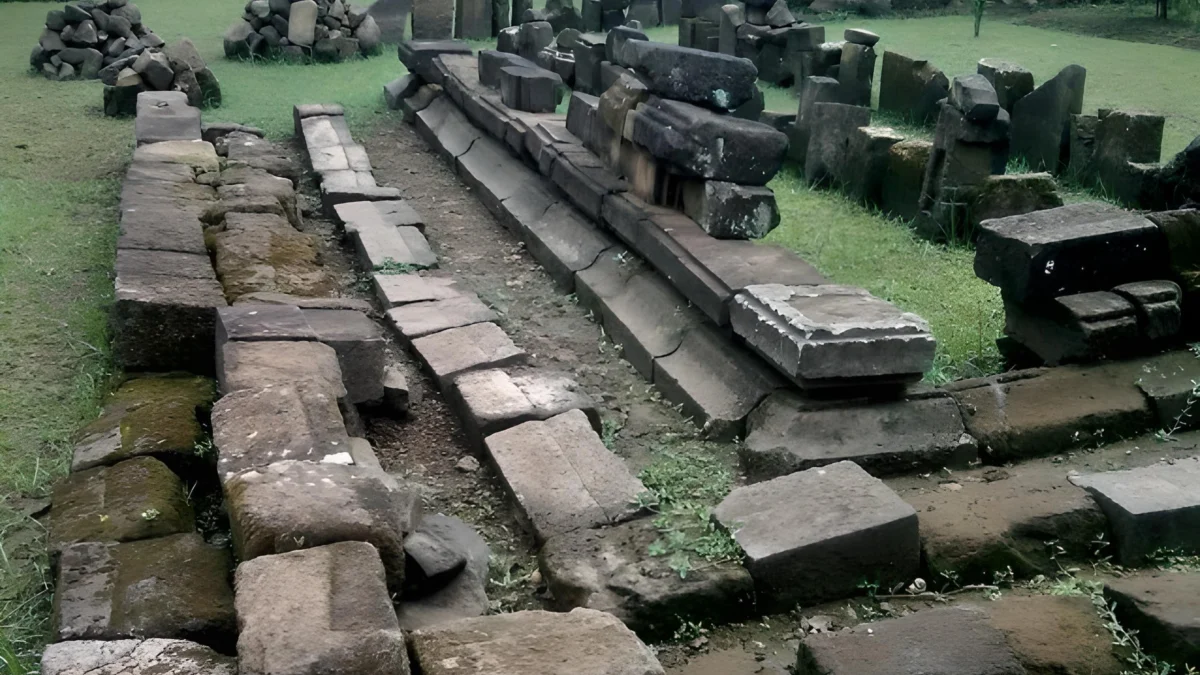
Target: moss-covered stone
(257, 252)
(157, 415)
(136, 499)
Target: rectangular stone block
(419, 319)
(360, 347)
(831, 336)
(165, 116)
(394, 290)
(135, 657)
(397, 213)
(473, 19)
(458, 350)
(1074, 328)
(731, 211)
(339, 614)
(565, 242)
(1161, 607)
(831, 128)
(252, 364)
(433, 21)
(490, 401)
(562, 476)
(385, 247)
(849, 527)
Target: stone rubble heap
(297, 30)
(83, 37)
(177, 67)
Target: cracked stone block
(139, 498)
(360, 347)
(340, 616)
(253, 428)
(849, 527)
(459, 350)
(607, 569)
(288, 506)
(395, 290)
(419, 319)
(565, 242)
(789, 433)
(394, 213)
(944, 640)
(154, 415)
(1149, 508)
(719, 81)
(586, 180)
(1034, 413)
(135, 657)
(1161, 607)
(164, 312)
(490, 170)
(1158, 307)
(531, 643)
(561, 475)
(489, 401)
(1079, 327)
(383, 246)
(169, 587)
(530, 89)
(822, 336)
(1071, 249)
(254, 364)
(454, 552)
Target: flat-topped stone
(339, 614)
(360, 347)
(165, 116)
(788, 433)
(169, 587)
(200, 156)
(395, 290)
(822, 336)
(380, 247)
(562, 476)
(943, 640)
(1161, 607)
(290, 505)
(453, 548)
(419, 319)
(1149, 508)
(719, 81)
(135, 657)
(490, 401)
(458, 350)
(1070, 249)
(1074, 328)
(418, 55)
(849, 527)
(531, 643)
(396, 213)
(254, 364)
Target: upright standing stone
(392, 18)
(1040, 120)
(911, 87)
(473, 19)
(1011, 81)
(302, 23)
(433, 19)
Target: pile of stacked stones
(83, 37)
(766, 33)
(324, 30)
(584, 61)
(177, 67)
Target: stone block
(607, 569)
(944, 640)
(1149, 508)
(302, 23)
(384, 247)
(490, 401)
(289, 505)
(789, 433)
(1013, 195)
(396, 213)
(139, 498)
(1041, 118)
(418, 54)
(263, 252)
(453, 548)
(850, 527)
(856, 73)
(530, 89)
(1071, 249)
(432, 21)
(419, 319)
(135, 657)
(392, 17)
(900, 193)
(814, 90)
(829, 336)
(165, 116)
(459, 350)
(169, 587)
(1122, 137)
(340, 616)
(359, 344)
(473, 19)
(399, 89)
(1169, 381)
(1161, 607)
(1011, 81)
(492, 61)
(1074, 328)
(561, 475)
(623, 96)
(731, 211)
(867, 156)
(253, 364)
(586, 180)
(975, 97)
(831, 127)
(718, 81)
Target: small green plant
(205, 449)
(689, 630)
(389, 266)
(609, 428)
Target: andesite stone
(135, 657)
(1040, 119)
(1161, 607)
(460, 592)
(719, 81)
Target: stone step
(395, 213)
(561, 475)
(396, 290)
(532, 641)
(849, 527)
(476, 347)
(1162, 608)
(339, 613)
(254, 364)
(490, 401)
(135, 657)
(419, 319)
(171, 587)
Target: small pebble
(467, 464)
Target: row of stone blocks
(342, 165)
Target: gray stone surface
(945, 640)
(395, 290)
(254, 364)
(850, 526)
(911, 87)
(135, 657)
(719, 81)
(382, 246)
(975, 97)
(731, 211)
(165, 116)
(1168, 382)
(1040, 119)
(789, 433)
(531, 643)
(1149, 508)
(822, 336)
(462, 594)
(1074, 328)
(1161, 607)
(562, 476)
(359, 344)
(831, 127)
(458, 350)
(340, 617)
(419, 319)
(489, 401)
(1159, 313)
(1011, 81)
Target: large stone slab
(419, 319)
(562, 476)
(458, 350)
(944, 640)
(1054, 634)
(112, 504)
(850, 526)
(395, 290)
(263, 252)
(607, 569)
(1149, 508)
(911, 87)
(339, 614)
(531, 643)
(831, 126)
(829, 336)
(169, 587)
(1040, 119)
(1161, 607)
(254, 364)
(447, 545)
(135, 657)
(418, 53)
(1074, 328)
(789, 433)
(385, 246)
(489, 401)
(1071, 249)
(718, 81)
(396, 213)
(360, 347)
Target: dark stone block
(716, 80)
(418, 54)
(1040, 120)
(530, 89)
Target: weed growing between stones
(683, 487)
(390, 266)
